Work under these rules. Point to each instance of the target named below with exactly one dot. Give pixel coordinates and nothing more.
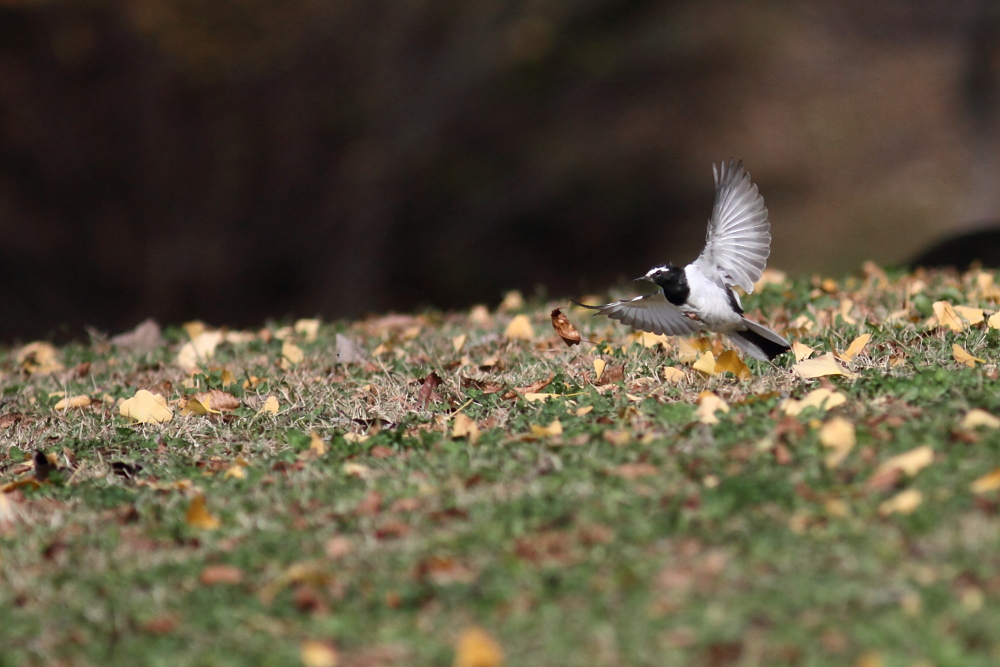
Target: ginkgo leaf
(553, 429)
(705, 364)
(837, 434)
(731, 362)
(476, 648)
(584, 410)
(218, 400)
(564, 328)
(512, 300)
(199, 349)
(599, 366)
(318, 654)
(309, 328)
(193, 406)
(316, 444)
(519, 329)
(988, 482)
(708, 405)
(532, 396)
(903, 502)
(964, 358)
(465, 426)
(198, 516)
(39, 358)
(689, 349)
(855, 348)
(821, 399)
(910, 462)
(146, 408)
(270, 406)
(946, 316)
(801, 351)
(820, 366)
(291, 354)
(976, 418)
(648, 339)
(673, 374)
(458, 342)
(994, 321)
(970, 315)
(80, 401)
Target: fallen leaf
(357, 469)
(427, 393)
(476, 648)
(801, 351)
(964, 358)
(316, 444)
(599, 366)
(903, 502)
(458, 342)
(708, 404)
(820, 366)
(634, 470)
(553, 429)
(270, 406)
(144, 338)
(519, 329)
(584, 410)
(988, 482)
(80, 401)
(198, 516)
(315, 653)
(564, 328)
(821, 399)
(199, 349)
(945, 316)
(533, 396)
(837, 434)
(976, 418)
(221, 574)
(731, 362)
(309, 328)
(673, 374)
(512, 300)
(855, 348)
(218, 400)
(291, 354)
(994, 321)
(910, 462)
(648, 339)
(348, 351)
(689, 349)
(39, 358)
(465, 427)
(146, 408)
(705, 364)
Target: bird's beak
(646, 278)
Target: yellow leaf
(199, 349)
(838, 434)
(475, 648)
(146, 408)
(270, 406)
(307, 328)
(647, 339)
(976, 418)
(194, 328)
(673, 374)
(910, 462)
(964, 358)
(195, 407)
(318, 654)
(316, 444)
(599, 366)
(235, 472)
(855, 348)
(553, 429)
(689, 349)
(356, 438)
(708, 404)
(821, 399)
(994, 321)
(228, 378)
(820, 366)
(988, 482)
(291, 354)
(80, 401)
(846, 305)
(480, 316)
(39, 358)
(198, 516)
(705, 364)
(532, 396)
(584, 410)
(512, 301)
(801, 351)
(946, 316)
(458, 342)
(519, 328)
(903, 502)
(771, 276)
(730, 361)
(465, 427)
(357, 470)
(970, 315)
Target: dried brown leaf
(564, 328)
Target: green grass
(639, 536)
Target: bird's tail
(759, 342)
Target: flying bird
(699, 296)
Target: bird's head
(666, 274)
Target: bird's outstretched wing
(651, 313)
(739, 237)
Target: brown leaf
(221, 574)
(565, 328)
(634, 470)
(144, 338)
(11, 418)
(427, 393)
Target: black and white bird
(699, 296)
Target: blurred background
(238, 160)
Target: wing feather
(652, 313)
(739, 236)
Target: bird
(700, 296)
